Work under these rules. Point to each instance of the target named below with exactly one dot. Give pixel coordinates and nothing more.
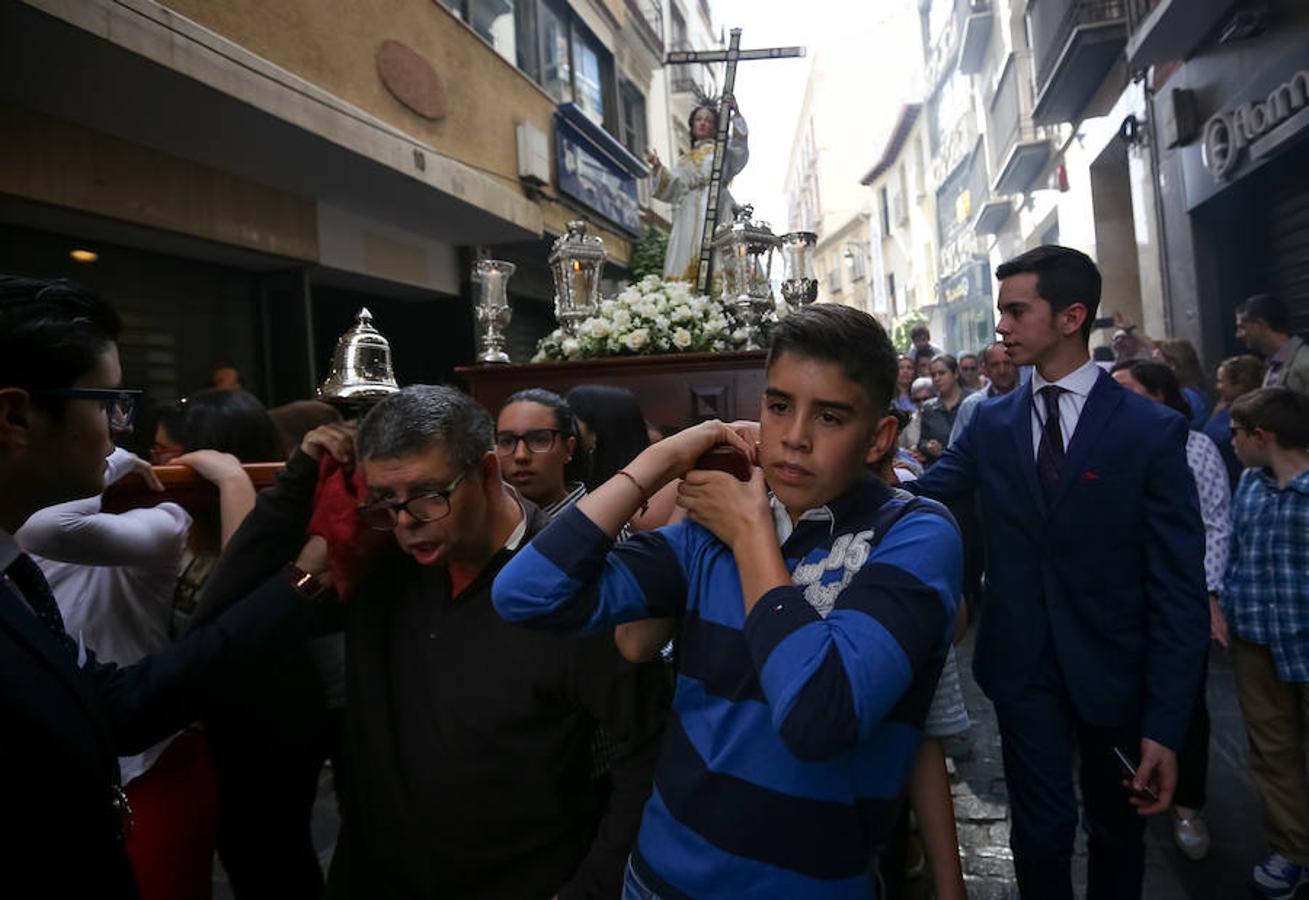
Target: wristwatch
(308, 584)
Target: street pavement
(982, 811)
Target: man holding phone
(1094, 630)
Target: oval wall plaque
(411, 79)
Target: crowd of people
(551, 651)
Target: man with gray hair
(1002, 374)
(468, 737)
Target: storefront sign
(586, 175)
(1227, 134)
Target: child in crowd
(816, 607)
(1266, 602)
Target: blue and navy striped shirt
(794, 728)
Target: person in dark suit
(65, 717)
(1095, 623)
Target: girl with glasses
(536, 440)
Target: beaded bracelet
(645, 502)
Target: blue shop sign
(596, 170)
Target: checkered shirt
(1266, 589)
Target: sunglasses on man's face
(120, 405)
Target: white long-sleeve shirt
(1215, 504)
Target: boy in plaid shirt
(1266, 604)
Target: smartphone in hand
(1129, 770)
(726, 458)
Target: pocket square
(1090, 475)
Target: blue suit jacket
(1111, 573)
(62, 729)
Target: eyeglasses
(538, 440)
(384, 514)
(119, 403)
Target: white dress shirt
(1076, 386)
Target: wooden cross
(732, 55)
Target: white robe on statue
(686, 186)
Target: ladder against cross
(732, 55)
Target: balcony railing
(1076, 14)
(1162, 30)
(1137, 10)
(647, 17)
(687, 78)
(1075, 43)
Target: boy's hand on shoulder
(733, 510)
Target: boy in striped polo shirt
(815, 608)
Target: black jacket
(468, 737)
(62, 729)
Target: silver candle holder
(493, 312)
(800, 284)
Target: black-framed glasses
(119, 403)
(538, 440)
(426, 507)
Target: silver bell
(361, 366)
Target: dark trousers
(1042, 738)
(1193, 758)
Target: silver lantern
(492, 279)
(743, 254)
(799, 283)
(576, 262)
(361, 371)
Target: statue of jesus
(686, 186)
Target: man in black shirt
(468, 737)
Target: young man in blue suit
(1095, 625)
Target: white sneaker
(1191, 834)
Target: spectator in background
(904, 382)
(923, 366)
(1264, 325)
(1157, 381)
(225, 377)
(1266, 603)
(296, 419)
(938, 414)
(920, 344)
(1002, 377)
(612, 430)
(168, 427)
(1181, 357)
(1237, 376)
(921, 392)
(970, 372)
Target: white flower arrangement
(650, 317)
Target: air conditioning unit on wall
(533, 155)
